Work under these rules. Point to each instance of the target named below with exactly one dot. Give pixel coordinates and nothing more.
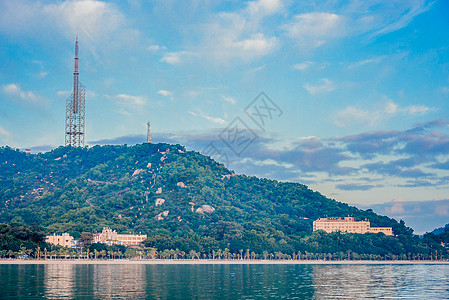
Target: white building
(348, 225)
(64, 240)
(111, 237)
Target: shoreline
(216, 262)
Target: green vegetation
(20, 240)
(185, 202)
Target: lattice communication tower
(75, 109)
(148, 133)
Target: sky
(348, 97)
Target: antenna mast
(75, 109)
(148, 133)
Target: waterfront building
(348, 225)
(111, 237)
(64, 240)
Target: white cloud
(14, 90)
(239, 35)
(395, 16)
(173, 58)
(325, 86)
(93, 19)
(228, 99)
(417, 109)
(133, 100)
(98, 23)
(313, 30)
(390, 108)
(130, 105)
(209, 118)
(193, 93)
(43, 74)
(352, 115)
(155, 48)
(264, 7)
(303, 66)
(164, 93)
(267, 162)
(214, 120)
(397, 208)
(341, 19)
(358, 64)
(257, 44)
(4, 132)
(256, 69)
(442, 210)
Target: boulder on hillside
(205, 209)
(162, 215)
(159, 202)
(181, 184)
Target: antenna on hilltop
(148, 132)
(75, 109)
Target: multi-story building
(111, 237)
(348, 225)
(64, 240)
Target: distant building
(111, 237)
(64, 240)
(348, 225)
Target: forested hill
(166, 192)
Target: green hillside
(182, 200)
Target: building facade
(348, 225)
(64, 240)
(111, 237)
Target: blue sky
(361, 88)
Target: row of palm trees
(142, 252)
(60, 253)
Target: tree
(86, 239)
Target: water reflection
(128, 281)
(118, 281)
(381, 281)
(59, 281)
(229, 281)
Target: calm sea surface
(52, 281)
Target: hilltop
(181, 199)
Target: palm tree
(22, 251)
(152, 253)
(38, 252)
(95, 253)
(61, 252)
(226, 253)
(265, 254)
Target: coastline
(217, 262)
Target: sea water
(245, 281)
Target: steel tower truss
(75, 109)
